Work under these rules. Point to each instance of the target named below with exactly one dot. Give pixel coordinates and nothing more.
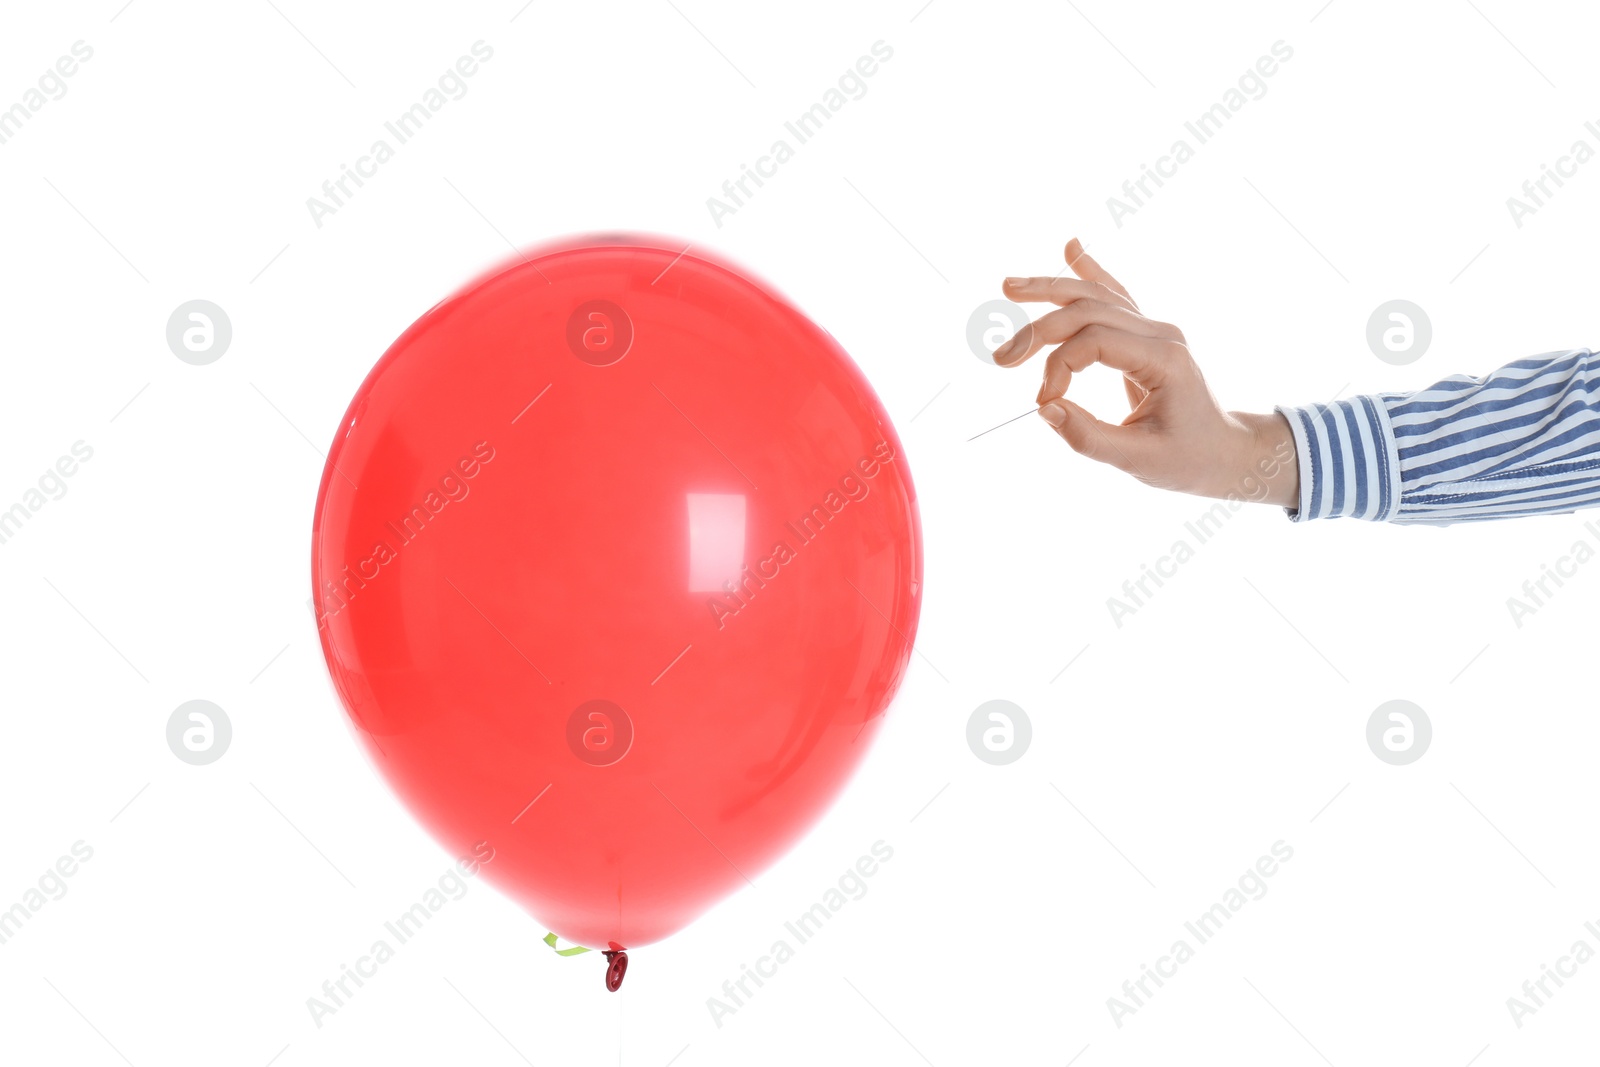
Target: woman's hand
(1177, 436)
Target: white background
(1172, 753)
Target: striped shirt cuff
(1349, 466)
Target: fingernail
(1053, 413)
(1016, 283)
(1004, 350)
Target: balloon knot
(617, 961)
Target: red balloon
(617, 567)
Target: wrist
(1269, 470)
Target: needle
(1008, 422)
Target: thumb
(1089, 437)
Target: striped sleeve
(1522, 440)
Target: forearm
(1523, 440)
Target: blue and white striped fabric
(1523, 440)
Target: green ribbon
(550, 939)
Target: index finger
(1142, 359)
(1085, 267)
